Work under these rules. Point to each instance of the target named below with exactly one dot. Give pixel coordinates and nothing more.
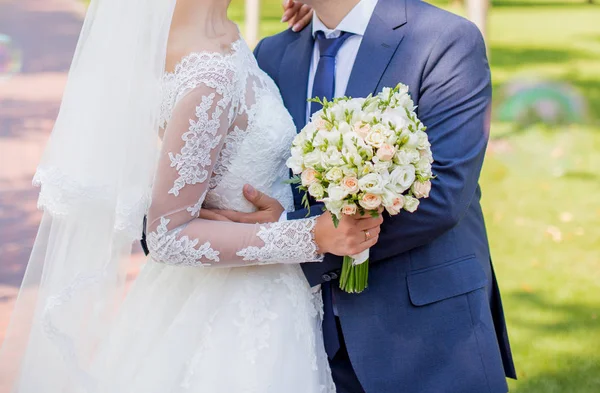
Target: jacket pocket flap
(447, 280)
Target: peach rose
(421, 189)
(370, 201)
(386, 152)
(320, 124)
(349, 209)
(350, 184)
(362, 129)
(396, 205)
(309, 176)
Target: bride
(219, 306)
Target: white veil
(95, 179)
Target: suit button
(326, 277)
(334, 275)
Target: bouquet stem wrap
(355, 273)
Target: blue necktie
(324, 82)
(324, 87)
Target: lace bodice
(224, 125)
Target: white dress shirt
(355, 22)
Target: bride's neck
(199, 25)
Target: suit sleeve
(454, 104)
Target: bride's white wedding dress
(220, 307)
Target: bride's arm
(192, 142)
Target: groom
(431, 320)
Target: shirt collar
(355, 22)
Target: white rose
(421, 189)
(316, 190)
(422, 140)
(349, 171)
(370, 201)
(402, 177)
(336, 193)
(395, 116)
(405, 156)
(426, 153)
(309, 176)
(411, 141)
(376, 137)
(332, 157)
(349, 208)
(334, 174)
(410, 203)
(402, 157)
(423, 167)
(312, 159)
(335, 207)
(372, 183)
(382, 166)
(295, 164)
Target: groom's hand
(269, 209)
(296, 14)
(353, 235)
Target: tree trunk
(252, 21)
(477, 12)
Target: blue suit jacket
(431, 320)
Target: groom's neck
(332, 12)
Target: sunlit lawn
(541, 195)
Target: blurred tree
(252, 21)
(477, 12)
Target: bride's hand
(269, 209)
(296, 14)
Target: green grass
(541, 191)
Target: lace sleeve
(191, 144)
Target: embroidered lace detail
(200, 140)
(166, 247)
(230, 147)
(195, 210)
(213, 69)
(285, 241)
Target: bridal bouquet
(358, 155)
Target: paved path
(46, 33)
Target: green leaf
(294, 180)
(336, 221)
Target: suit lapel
(381, 40)
(293, 76)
